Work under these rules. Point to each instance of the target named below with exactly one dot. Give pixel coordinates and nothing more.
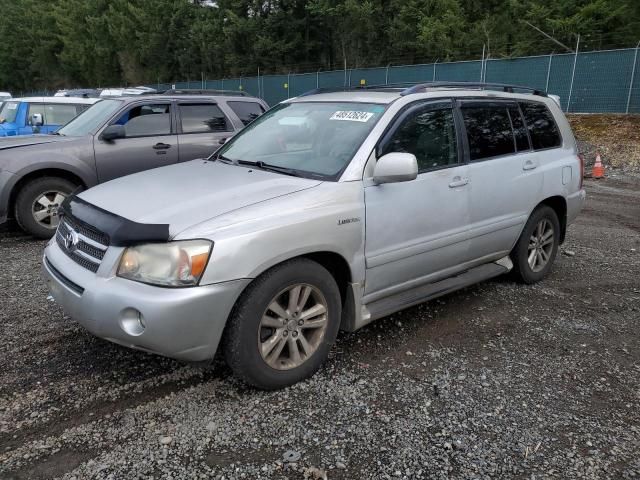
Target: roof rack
(472, 85)
(201, 91)
(408, 88)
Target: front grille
(89, 244)
(85, 230)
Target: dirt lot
(499, 380)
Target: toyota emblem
(71, 240)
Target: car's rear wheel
(283, 325)
(38, 202)
(536, 250)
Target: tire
(26, 208)
(246, 336)
(530, 239)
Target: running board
(400, 301)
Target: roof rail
(201, 91)
(408, 88)
(474, 85)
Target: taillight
(581, 159)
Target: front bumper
(182, 323)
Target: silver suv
(331, 210)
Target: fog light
(132, 322)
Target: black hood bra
(121, 231)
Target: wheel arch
(44, 172)
(339, 268)
(559, 205)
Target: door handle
(529, 165)
(458, 182)
(161, 146)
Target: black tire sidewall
(241, 336)
(523, 270)
(28, 194)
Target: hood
(28, 140)
(186, 194)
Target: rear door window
(247, 112)
(543, 130)
(430, 134)
(203, 118)
(519, 129)
(488, 131)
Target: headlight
(173, 264)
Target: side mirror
(36, 120)
(395, 167)
(113, 132)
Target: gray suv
(113, 138)
(331, 210)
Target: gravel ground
(499, 380)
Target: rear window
(542, 127)
(488, 131)
(246, 111)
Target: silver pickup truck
(113, 138)
(331, 210)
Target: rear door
(203, 126)
(505, 178)
(151, 141)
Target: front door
(416, 231)
(151, 141)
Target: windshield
(95, 116)
(311, 138)
(8, 112)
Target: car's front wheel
(37, 205)
(537, 247)
(283, 325)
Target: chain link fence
(587, 82)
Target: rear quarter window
(543, 130)
(247, 112)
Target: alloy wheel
(541, 245)
(293, 326)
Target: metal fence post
(482, 62)
(633, 77)
(434, 70)
(386, 76)
(546, 86)
(288, 83)
(318, 79)
(573, 74)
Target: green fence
(589, 82)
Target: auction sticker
(352, 116)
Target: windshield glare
(316, 138)
(91, 118)
(9, 111)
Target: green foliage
(69, 43)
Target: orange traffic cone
(598, 169)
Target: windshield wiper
(57, 133)
(271, 168)
(224, 159)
